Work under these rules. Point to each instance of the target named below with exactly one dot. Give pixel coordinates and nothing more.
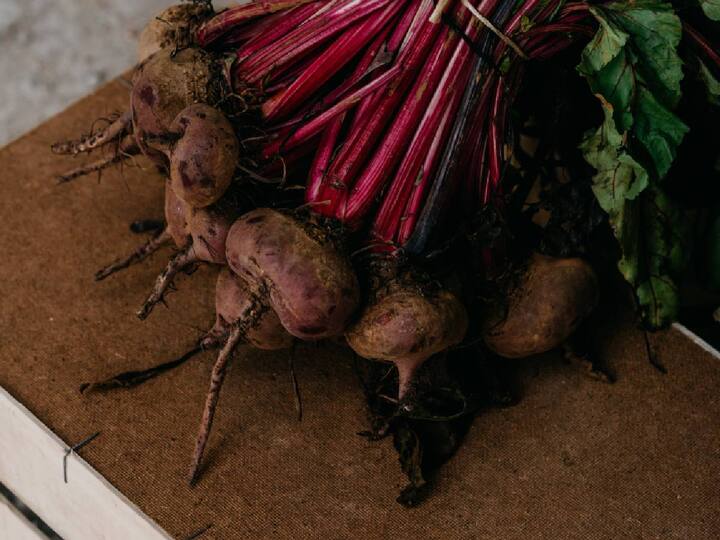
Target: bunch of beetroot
(395, 116)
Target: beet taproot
(242, 314)
(207, 232)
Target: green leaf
(711, 9)
(632, 64)
(711, 83)
(658, 297)
(649, 229)
(665, 237)
(619, 177)
(659, 130)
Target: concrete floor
(53, 52)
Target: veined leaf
(649, 229)
(632, 63)
(619, 177)
(711, 9)
(711, 83)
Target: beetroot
(309, 284)
(172, 28)
(406, 325)
(163, 86)
(207, 232)
(233, 296)
(176, 217)
(544, 309)
(203, 159)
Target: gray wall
(52, 52)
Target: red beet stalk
(363, 139)
(443, 187)
(323, 156)
(444, 103)
(287, 22)
(292, 139)
(448, 63)
(335, 57)
(305, 38)
(231, 18)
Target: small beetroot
(406, 326)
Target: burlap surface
(576, 459)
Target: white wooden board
(13, 525)
(86, 508)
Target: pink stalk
(289, 21)
(305, 38)
(402, 28)
(376, 173)
(367, 64)
(417, 25)
(360, 143)
(551, 48)
(340, 53)
(315, 126)
(324, 154)
(478, 178)
(432, 129)
(364, 111)
(494, 140)
(417, 193)
(361, 70)
(700, 41)
(514, 23)
(558, 28)
(226, 20)
(252, 30)
(365, 108)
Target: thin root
(177, 263)
(216, 381)
(139, 254)
(126, 150)
(113, 131)
(295, 385)
(130, 379)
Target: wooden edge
(86, 507)
(14, 525)
(697, 340)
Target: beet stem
(226, 20)
(301, 41)
(290, 20)
(328, 63)
(216, 381)
(441, 189)
(181, 260)
(316, 125)
(360, 143)
(139, 254)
